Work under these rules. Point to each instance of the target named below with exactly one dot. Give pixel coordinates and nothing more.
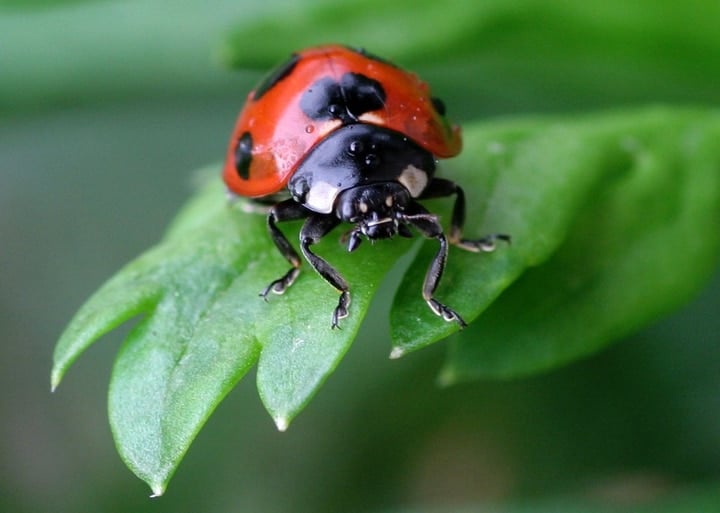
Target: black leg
(314, 229)
(287, 210)
(440, 187)
(430, 227)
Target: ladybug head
(358, 162)
(377, 210)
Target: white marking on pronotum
(321, 197)
(414, 179)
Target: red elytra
(281, 134)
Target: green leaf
(403, 27)
(205, 326)
(513, 55)
(613, 497)
(28, 5)
(615, 215)
(598, 207)
(424, 30)
(99, 52)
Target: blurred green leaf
(99, 51)
(489, 56)
(28, 5)
(424, 30)
(625, 497)
(514, 55)
(617, 217)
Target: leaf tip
(281, 423)
(157, 490)
(55, 378)
(397, 352)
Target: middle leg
(440, 188)
(430, 227)
(314, 229)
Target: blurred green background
(106, 108)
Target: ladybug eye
(355, 147)
(334, 109)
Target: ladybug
(336, 134)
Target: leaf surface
(614, 220)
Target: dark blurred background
(106, 108)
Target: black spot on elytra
(346, 100)
(370, 55)
(276, 75)
(439, 105)
(243, 155)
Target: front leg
(288, 210)
(440, 187)
(314, 229)
(430, 227)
